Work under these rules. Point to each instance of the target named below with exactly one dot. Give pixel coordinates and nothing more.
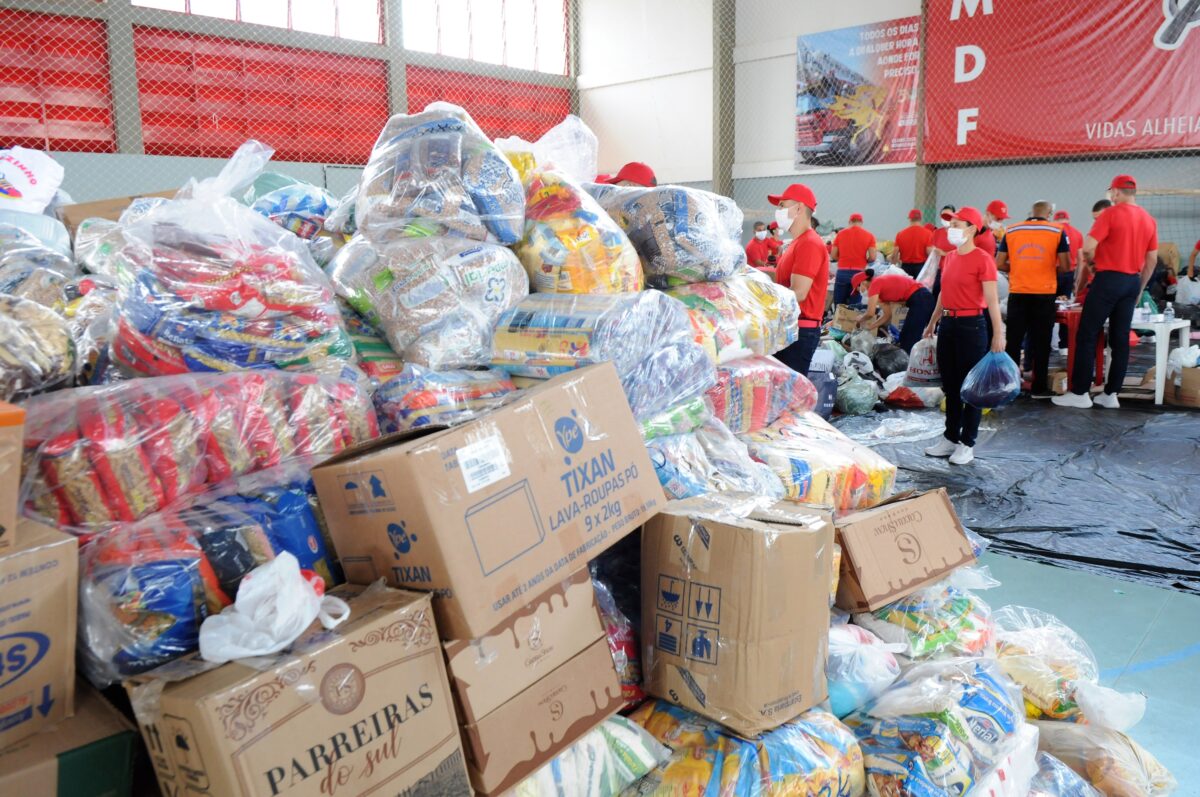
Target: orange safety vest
(1033, 256)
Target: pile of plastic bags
(751, 393)
(100, 456)
(745, 315)
(709, 459)
(942, 620)
(35, 258)
(418, 397)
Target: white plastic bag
(275, 604)
(1187, 291)
(923, 365)
(30, 179)
(1182, 358)
(928, 274)
(860, 666)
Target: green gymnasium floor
(1146, 640)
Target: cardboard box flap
(111, 209)
(776, 518)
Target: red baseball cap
(773, 225)
(1123, 181)
(1062, 215)
(858, 280)
(914, 215)
(855, 217)
(603, 178)
(797, 192)
(998, 209)
(970, 216)
(636, 172)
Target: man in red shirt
(1123, 248)
(986, 240)
(853, 248)
(803, 267)
(1066, 282)
(757, 251)
(913, 245)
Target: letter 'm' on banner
(970, 6)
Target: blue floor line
(1153, 664)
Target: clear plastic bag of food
(665, 390)
(435, 173)
(569, 147)
(1056, 779)
(35, 257)
(547, 334)
(682, 235)
(37, 352)
(300, 208)
(90, 312)
(941, 620)
(749, 315)
(813, 754)
(939, 730)
(209, 285)
(419, 397)
(1057, 671)
(341, 220)
(810, 473)
(708, 460)
(603, 763)
(622, 643)
(570, 245)
(873, 477)
(435, 299)
(146, 587)
(99, 456)
(98, 241)
(1113, 763)
(860, 666)
(372, 353)
(751, 393)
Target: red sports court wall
(501, 107)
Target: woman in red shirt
(892, 289)
(968, 292)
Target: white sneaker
(1069, 399)
(1108, 401)
(963, 455)
(943, 449)
(1063, 352)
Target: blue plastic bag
(995, 381)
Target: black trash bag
(889, 359)
(826, 385)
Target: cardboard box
(110, 209)
(1060, 382)
(523, 735)
(12, 435)
(845, 318)
(1182, 391)
(39, 587)
(492, 513)
(735, 612)
(894, 549)
(88, 755)
(363, 709)
(491, 670)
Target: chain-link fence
(182, 80)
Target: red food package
(114, 446)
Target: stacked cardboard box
(499, 518)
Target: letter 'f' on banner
(967, 121)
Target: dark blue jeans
(798, 356)
(842, 294)
(1066, 287)
(1111, 298)
(961, 344)
(920, 310)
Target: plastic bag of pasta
(751, 393)
(749, 314)
(682, 234)
(1109, 760)
(300, 208)
(419, 397)
(435, 299)
(100, 456)
(545, 334)
(436, 173)
(37, 352)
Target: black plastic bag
(889, 359)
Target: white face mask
(945, 222)
(783, 218)
(957, 236)
(760, 234)
(995, 225)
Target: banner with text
(856, 95)
(1018, 80)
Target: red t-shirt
(893, 288)
(852, 244)
(757, 250)
(912, 242)
(987, 242)
(941, 240)
(963, 277)
(806, 257)
(1074, 242)
(1125, 233)
(774, 244)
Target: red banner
(1020, 79)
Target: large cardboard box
(110, 209)
(735, 612)
(894, 549)
(363, 709)
(39, 586)
(88, 755)
(491, 670)
(521, 736)
(490, 514)
(12, 432)
(845, 318)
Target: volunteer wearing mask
(774, 242)
(993, 231)
(892, 289)
(1123, 245)
(803, 267)
(1034, 253)
(941, 243)
(633, 174)
(757, 251)
(968, 291)
(913, 245)
(853, 248)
